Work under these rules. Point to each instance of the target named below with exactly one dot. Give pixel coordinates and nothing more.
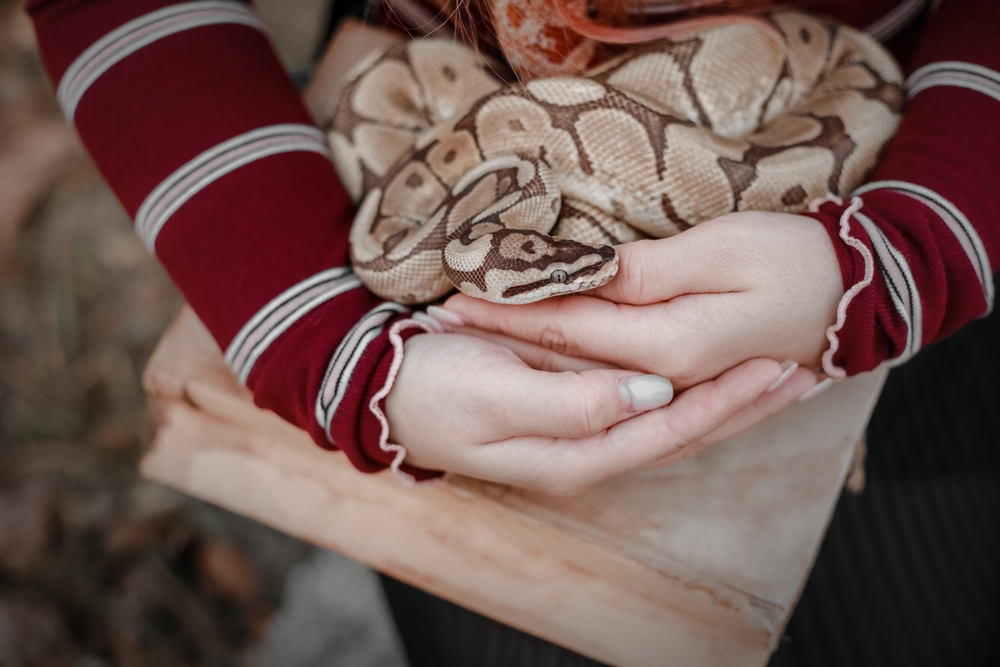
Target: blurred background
(97, 566)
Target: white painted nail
(428, 321)
(645, 392)
(789, 367)
(817, 388)
(445, 316)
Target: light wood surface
(698, 564)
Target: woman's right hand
(473, 406)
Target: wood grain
(697, 564)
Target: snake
(515, 189)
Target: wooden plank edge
(187, 357)
(186, 351)
(845, 472)
(460, 547)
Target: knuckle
(554, 338)
(633, 281)
(550, 362)
(684, 374)
(585, 411)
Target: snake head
(521, 266)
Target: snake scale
(515, 192)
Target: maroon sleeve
(189, 116)
(918, 244)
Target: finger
(576, 405)
(575, 326)
(768, 405)
(556, 324)
(565, 465)
(700, 261)
(537, 357)
(689, 339)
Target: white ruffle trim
(829, 367)
(398, 451)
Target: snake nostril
(558, 276)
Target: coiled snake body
(462, 177)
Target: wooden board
(698, 564)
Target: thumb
(578, 405)
(698, 261)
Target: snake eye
(558, 277)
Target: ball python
(514, 192)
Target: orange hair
(604, 23)
(607, 26)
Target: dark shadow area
(909, 572)
(438, 633)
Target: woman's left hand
(688, 307)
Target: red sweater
(191, 119)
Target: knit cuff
(373, 426)
(858, 341)
(336, 391)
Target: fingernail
(789, 367)
(817, 388)
(645, 392)
(429, 322)
(445, 316)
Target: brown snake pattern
(461, 177)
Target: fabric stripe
(216, 162)
(281, 313)
(346, 357)
(955, 73)
(902, 287)
(143, 31)
(956, 221)
(890, 24)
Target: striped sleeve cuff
(216, 162)
(195, 125)
(956, 74)
(907, 262)
(918, 245)
(282, 312)
(959, 228)
(346, 406)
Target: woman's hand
(739, 287)
(474, 406)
